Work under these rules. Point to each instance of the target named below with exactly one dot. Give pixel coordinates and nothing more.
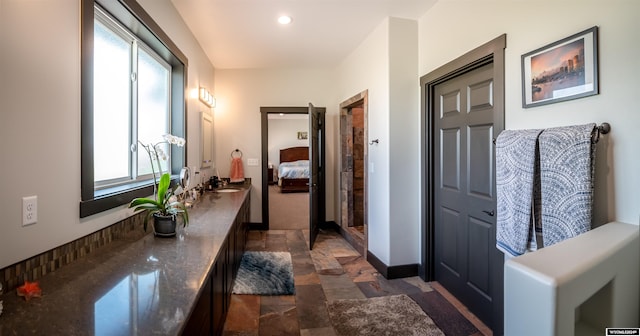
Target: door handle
(490, 213)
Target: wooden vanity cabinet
(199, 323)
(212, 306)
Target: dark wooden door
(317, 179)
(466, 260)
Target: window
(131, 95)
(133, 83)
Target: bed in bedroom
(293, 171)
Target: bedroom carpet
(265, 273)
(288, 211)
(385, 315)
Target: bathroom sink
(228, 190)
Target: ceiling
(245, 33)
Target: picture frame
(563, 70)
(303, 135)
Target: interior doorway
(271, 153)
(353, 172)
(288, 206)
(313, 183)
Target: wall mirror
(206, 135)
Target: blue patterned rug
(265, 273)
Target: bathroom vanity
(150, 285)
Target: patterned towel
(515, 171)
(567, 156)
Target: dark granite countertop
(142, 287)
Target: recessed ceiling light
(284, 20)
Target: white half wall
(531, 25)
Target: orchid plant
(165, 202)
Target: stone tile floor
(333, 270)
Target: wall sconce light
(207, 98)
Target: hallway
(333, 270)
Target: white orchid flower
(160, 152)
(156, 153)
(174, 140)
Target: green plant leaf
(161, 205)
(149, 207)
(165, 180)
(140, 201)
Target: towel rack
(604, 128)
(236, 152)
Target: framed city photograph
(563, 70)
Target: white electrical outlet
(29, 210)
(252, 162)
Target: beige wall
(40, 120)
(530, 25)
(201, 74)
(241, 93)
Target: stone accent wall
(358, 165)
(353, 164)
(346, 174)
